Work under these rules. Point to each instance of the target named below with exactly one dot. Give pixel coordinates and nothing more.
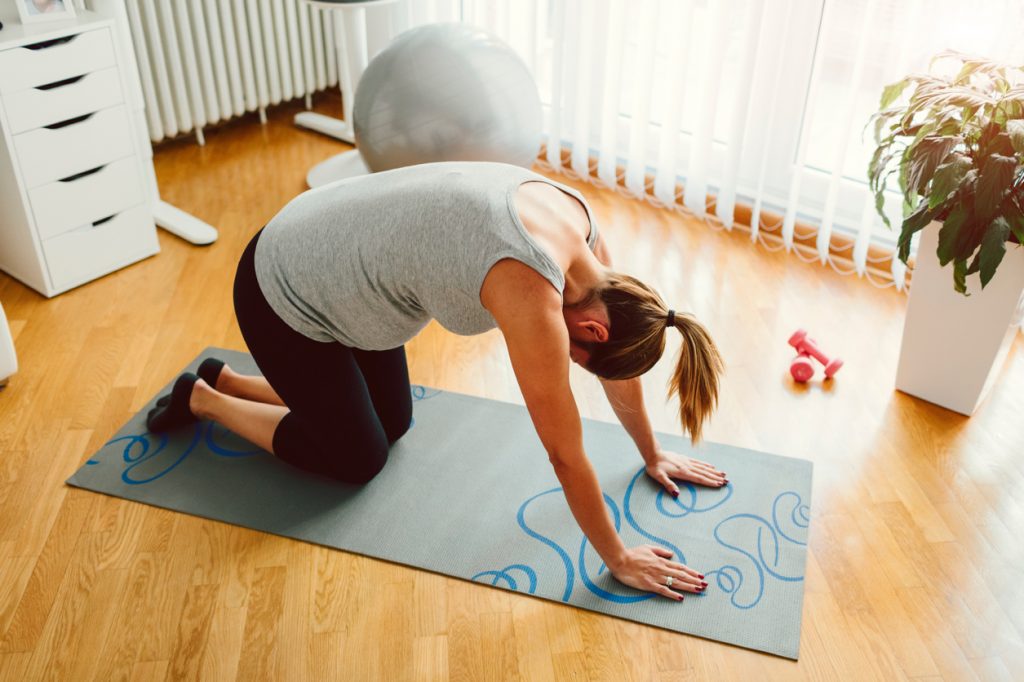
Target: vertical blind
(703, 105)
(700, 106)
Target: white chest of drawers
(75, 203)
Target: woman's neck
(585, 274)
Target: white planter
(955, 345)
(8, 360)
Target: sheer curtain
(747, 113)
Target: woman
(330, 290)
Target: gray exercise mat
(469, 492)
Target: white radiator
(205, 61)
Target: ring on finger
(669, 580)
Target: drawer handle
(60, 84)
(51, 43)
(76, 176)
(85, 227)
(69, 122)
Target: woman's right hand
(647, 568)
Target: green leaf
(995, 179)
(948, 234)
(915, 222)
(892, 92)
(960, 277)
(880, 207)
(975, 263)
(926, 157)
(967, 113)
(965, 73)
(947, 179)
(881, 119)
(876, 166)
(908, 194)
(1015, 129)
(968, 238)
(945, 54)
(994, 141)
(993, 247)
(1015, 217)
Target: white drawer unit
(65, 99)
(72, 146)
(99, 247)
(47, 61)
(90, 195)
(76, 189)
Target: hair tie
(671, 319)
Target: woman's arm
(528, 311)
(627, 399)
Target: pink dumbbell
(801, 368)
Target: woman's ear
(596, 330)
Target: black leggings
(347, 406)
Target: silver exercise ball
(446, 92)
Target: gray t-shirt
(368, 261)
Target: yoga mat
(469, 492)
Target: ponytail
(639, 322)
(695, 380)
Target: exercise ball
(446, 92)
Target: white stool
(350, 43)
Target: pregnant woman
(329, 291)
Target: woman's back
(369, 261)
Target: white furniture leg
(182, 224)
(351, 54)
(8, 358)
(350, 42)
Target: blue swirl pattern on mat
(789, 516)
(139, 449)
(423, 393)
(504, 574)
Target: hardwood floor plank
(930, 620)
(192, 642)
(429, 658)
(498, 647)
(14, 666)
(326, 662)
(533, 649)
(224, 644)
(259, 659)
(149, 671)
(95, 626)
(49, 572)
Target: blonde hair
(638, 319)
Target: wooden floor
(916, 562)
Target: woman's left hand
(669, 465)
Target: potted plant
(956, 146)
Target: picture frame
(35, 11)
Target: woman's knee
(361, 468)
(350, 460)
(398, 426)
